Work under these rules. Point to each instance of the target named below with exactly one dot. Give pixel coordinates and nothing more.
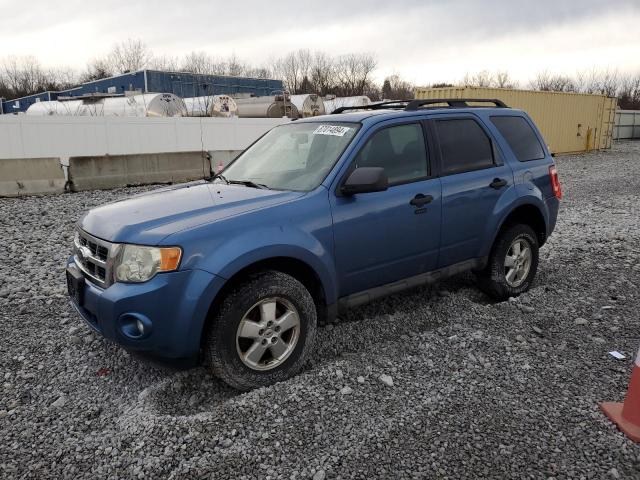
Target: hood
(149, 217)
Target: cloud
(423, 40)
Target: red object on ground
(627, 415)
(103, 372)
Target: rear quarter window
(464, 146)
(520, 136)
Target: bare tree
(395, 88)
(129, 55)
(629, 92)
(548, 82)
(97, 68)
(165, 63)
(354, 72)
(322, 73)
(480, 79)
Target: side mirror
(365, 180)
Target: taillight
(555, 182)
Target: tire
(494, 279)
(228, 348)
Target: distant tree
(395, 88)
(442, 85)
(129, 55)
(96, 69)
(546, 81)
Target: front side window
(400, 150)
(295, 156)
(464, 146)
(520, 136)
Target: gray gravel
(434, 383)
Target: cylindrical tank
(266, 107)
(308, 104)
(331, 103)
(145, 105)
(141, 105)
(211, 106)
(66, 108)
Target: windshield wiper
(248, 183)
(220, 176)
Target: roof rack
(374, 106)
(454, 102)
(412, 105)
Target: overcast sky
(425, 41)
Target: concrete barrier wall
(94, 173)
(28, 176)
(108, 152)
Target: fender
(526, 197)
(241, 251)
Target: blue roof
(375, 116)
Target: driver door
(381, 237)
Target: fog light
(134, 325)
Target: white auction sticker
(336, 130)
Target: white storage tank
(211, 106)
(332, 102)
(145, 105)
(140, 105)
(66, 108)
(308, 104)
(266, 107)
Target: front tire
(262, 332)
(512, 264)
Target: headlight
(139, 264)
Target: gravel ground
(434, 383)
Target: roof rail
(374, 106)
(412, 105)
(454, 102)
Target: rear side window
(399, 150)
(464, 146)
(520, 137)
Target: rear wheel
(263, 331)
(512, 264)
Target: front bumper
(173, 305)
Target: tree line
(302, 71)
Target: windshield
(295, 156)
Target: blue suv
(317, 216)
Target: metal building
(182, 84)
(21, 104)
(569, 122)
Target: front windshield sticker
(335, 130)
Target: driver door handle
(498, 183)
(420, 200)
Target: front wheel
(263, 331)
(512, 264)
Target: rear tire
(262, 332)
(512, 263)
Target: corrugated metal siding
(569, 122)
(120, 83)
(627, 124)
(10, 106)
(192, 85)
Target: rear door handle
(498, 183)
(420, 200)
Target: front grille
(92, 255)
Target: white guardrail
(53, 154)
(627, 124)
(24, 136)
